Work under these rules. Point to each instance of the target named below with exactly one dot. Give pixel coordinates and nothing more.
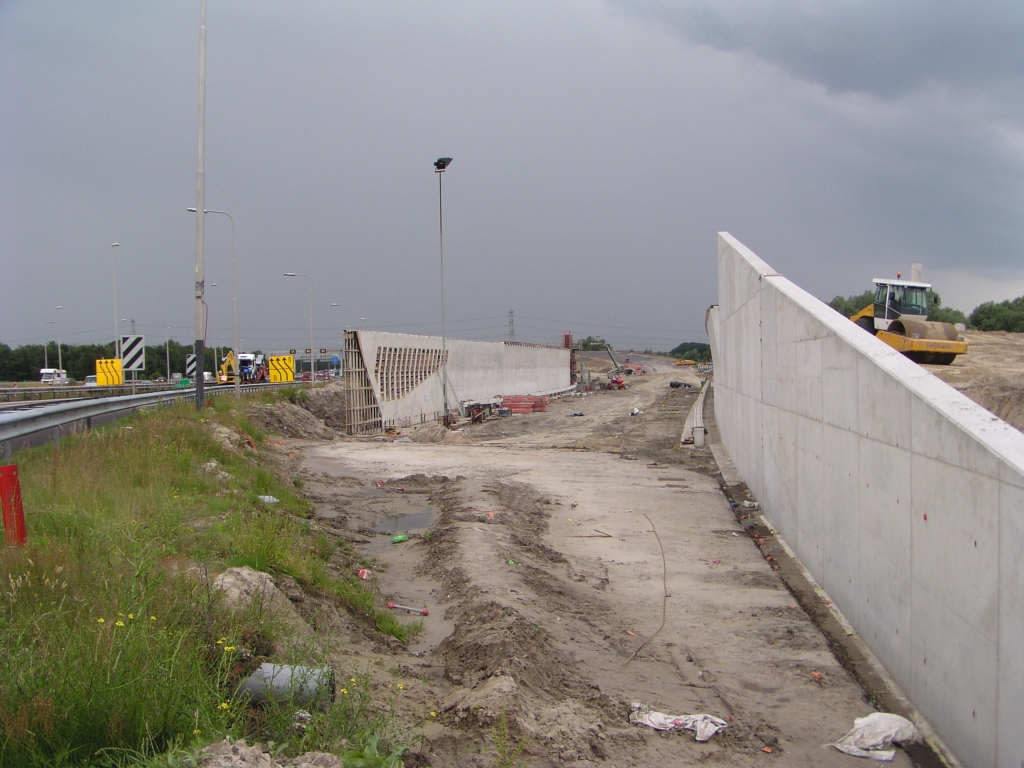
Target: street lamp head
(290, 274)
(191, 210)
(441, 163)
(114, 245)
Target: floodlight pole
(200, 347)
(60, 357)
(439, 168)
(234, 297)
(113, 273)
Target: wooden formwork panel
(362, 411)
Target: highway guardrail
(24, 428)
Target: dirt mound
(289, 420)
(327, 403)
(435, 432)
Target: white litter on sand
(873, 736)
(706, 726)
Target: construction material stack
(525, 403)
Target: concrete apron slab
(734, 643)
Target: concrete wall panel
(849, 445)
(477, 370)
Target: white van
(90, 381)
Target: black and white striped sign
(190, 366)
(133, 353)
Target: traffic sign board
(133, 353)
(190, 366)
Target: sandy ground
(991, 373)
(573, 564)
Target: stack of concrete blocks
(477, 371)
(902, 498)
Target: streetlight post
(167, 349)
(234, 296)
(200, 208)
(113, 272)
(312, 372)
(440, 165)
(46, 344)
(60, 357)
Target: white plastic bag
(873, 736)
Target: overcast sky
(598, 147)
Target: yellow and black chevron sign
(282, 368)
(108, 372)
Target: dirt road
(573, 562)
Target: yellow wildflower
(401, 686)
(351, 679)
(131, 615)
(229, 647)
(196, 732)
(344, 691)
(152, 618)
(101, 620)
(433, 714)
(118, 623)
(224, 705)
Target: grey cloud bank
(598, 148)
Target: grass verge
(117, 648)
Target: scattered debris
(578, 413)
(364, 573)
(420, 611)
(635, 412)
(706, 726)
(269, 499)
(399, 538)
(751, 505)
(873, 736)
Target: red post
(10, 500)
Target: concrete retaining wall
(903, 498)
(477, 370)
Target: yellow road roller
(899, 317)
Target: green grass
(116, 648)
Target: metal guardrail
(50, 392)
(21, 429)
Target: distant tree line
(22, 363)
(688, 350)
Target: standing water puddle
(417, 521)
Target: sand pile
(327, 403)
(434, 432)
(289, 420)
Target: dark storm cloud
(598, 147)
(881, 47)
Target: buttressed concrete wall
(904, 499)
(404, 371)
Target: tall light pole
(46, 344)
(312, 373)
(440, 165)
(200, 208)
(167, 349)
(60, 357)
(113, 272)
(234, 296)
